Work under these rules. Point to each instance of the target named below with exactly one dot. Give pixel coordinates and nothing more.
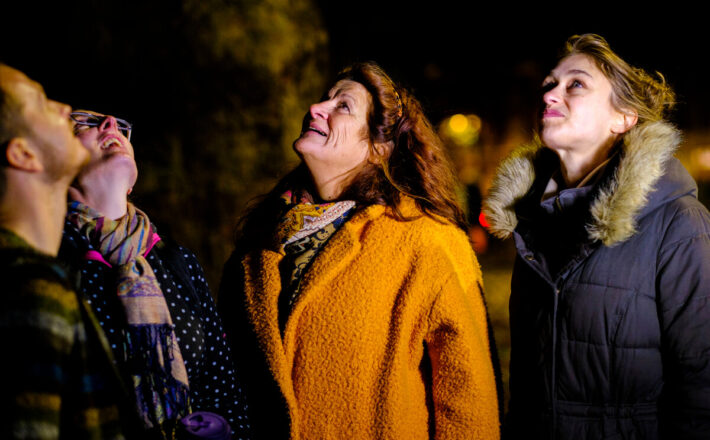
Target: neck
(330, 184)
(39, 218)
(328, 191)
(575, 165)
(106, 197)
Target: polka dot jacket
(213, 381)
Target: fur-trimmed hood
(618, 203)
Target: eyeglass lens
(95, 120)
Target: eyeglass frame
(102, 118)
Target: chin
(305, 147)
(121, 158)
(296, 146)
(550, 139)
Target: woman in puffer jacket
(609, 310)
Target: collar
(9, 239)
(553, 186)
(620, 197)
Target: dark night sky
(457, 56)
(491, 59)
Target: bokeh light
(458, 123)
(461, 130)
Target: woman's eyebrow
(343, 93)
(578, 71)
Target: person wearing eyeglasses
(149, 294)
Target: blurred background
(217, 89)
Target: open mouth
(110, 143)
(315, 130)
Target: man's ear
(625, 121)
(20, 155)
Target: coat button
(530, 257)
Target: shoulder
(38, 295)
(432, 230)
(674, 210)
(432, 242)
(171, 260)
(47, 294)
(27, 267)
(440, 235)
(174, 255)
(684, 219)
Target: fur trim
(514, 177)
(646, 149)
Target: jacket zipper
(557, 286)
(553, 379)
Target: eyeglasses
(84, 119)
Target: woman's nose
(551, 96)
(108, 123)
(319, 110)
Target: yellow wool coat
(388, 338)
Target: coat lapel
(646, 150)
(332, 259)
(262, 286)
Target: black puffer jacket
(609, 309)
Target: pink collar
(96, 256)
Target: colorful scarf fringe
(152, 354)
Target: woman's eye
(575, 84)
(78, 128)
(344, 105)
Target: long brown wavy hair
(414, 164)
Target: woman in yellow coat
(353, 299)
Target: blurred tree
(256, 67)
(216, 89)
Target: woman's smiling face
(111, 153)
(335, 131)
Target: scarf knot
(303, 218)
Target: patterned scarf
(152, 354)
(304, 218)
(303, 231)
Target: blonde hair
(632, 88)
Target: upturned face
(579, 114)
(110, 151)
(335, 131)
(47, 125)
